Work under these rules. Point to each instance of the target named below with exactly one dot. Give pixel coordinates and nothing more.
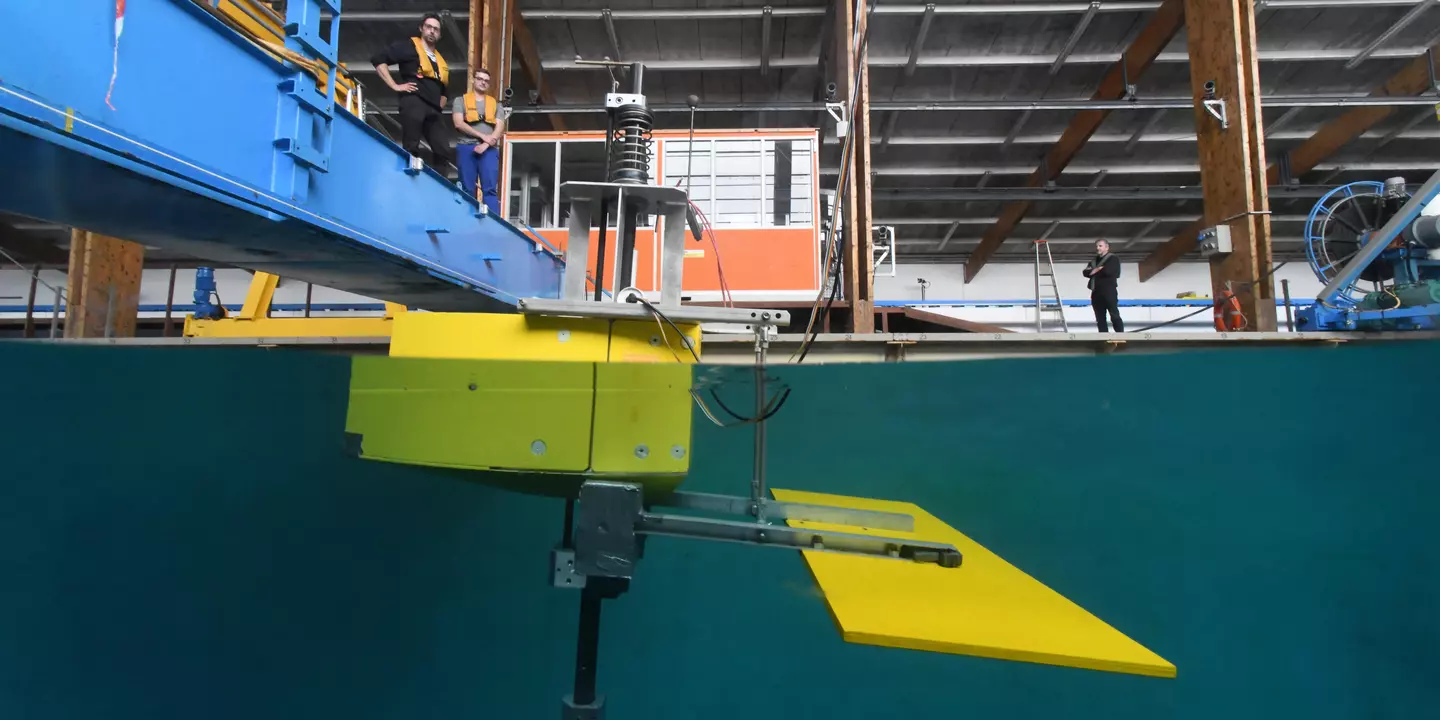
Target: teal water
(182, 536)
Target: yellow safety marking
(69, 119)
(985, 608)
(694, 254)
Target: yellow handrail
(261, 26)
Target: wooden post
(490, 39)
(1232, 153)
(857, 262)
(104, 283)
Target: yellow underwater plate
(985, 608)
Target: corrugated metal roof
(715, 54)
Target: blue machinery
(1378, 257)
(216, 148)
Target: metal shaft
(1289, 313)
(637, 78)
(786, 537)
(169, 302)
(29, 331)
(757, 481)
(587, 647)
(604, 217)
(55, 315)
(629, 219)
(600, 243)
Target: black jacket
(402, 53)
(1106, 280)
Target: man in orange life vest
(423, 77)
(480, 121)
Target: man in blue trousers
(481, 122)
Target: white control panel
(1215, 241)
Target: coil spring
(630, 145)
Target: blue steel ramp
(210, 150)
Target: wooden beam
(953, 322)
(857, 261)
(529, 59)
(1261, 289)
(1411, 81)
(1163, 26)
(103, 286)
(493, 36)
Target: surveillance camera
(507, 93)
(1210, 89)
(922, 281)
(830, 91)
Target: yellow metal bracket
(254, 321)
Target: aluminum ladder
(1044, 303)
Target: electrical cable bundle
(768, 411)
(859, 43)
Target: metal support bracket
(1129, 92)
(1216, 108)
(612, 522)
(885, 252)
(615, 100)
(837, 113)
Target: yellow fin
(986, 607)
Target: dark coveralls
(421, 114)
(1104, 291)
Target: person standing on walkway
(481, 122)
(1104, 274)
(421, 83)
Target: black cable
(842, 182)
(809, 340)
(1213, 305)
(775, 404)
(770, 409)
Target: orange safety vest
(472, 109)
(427, 69)
(1228, 317)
